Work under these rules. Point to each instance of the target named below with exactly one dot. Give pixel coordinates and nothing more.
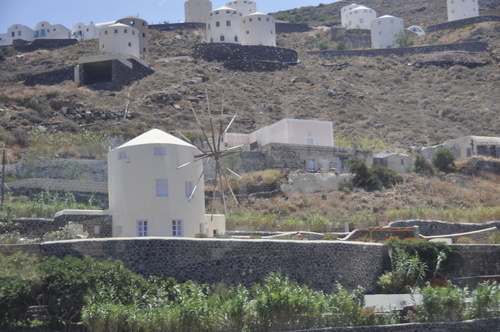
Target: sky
(70, 12)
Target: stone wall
(51, 77)
(59, 168)
(482, 236)
(353, 38)
(460, 23)
(234, 52)
(319, 264)
(402, 51)
(177, 26)
(382, 234)
(292, 27)
(435, 227)
(313, 182)
(42, 44)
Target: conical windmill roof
(155, 136)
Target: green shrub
(363, 178)
(388, 177)
(423, 166)
(444, 161)
(485, 301)
(495, 238)
(68, 232)
(14, 300)
(441, 304)
(330, 236)
(200, 235)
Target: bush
(495, 238)
(14, 300)
(465, 240)
(68, 232)
(363, 178)
(485, 301)
(423, 166)
(387, 176)
(330, 236)
(441, 304)
(444, 161)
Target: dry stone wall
(460, 23)
(435, 227)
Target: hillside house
(246, 7)
(258, 29)
(400, 163)
(45, 30)
(360, 17)
(197, 11)
(120, 39)
(467, 147)
(460, 9)
(344, 14)
(142, 28)
(224, 25)
(18, 31)
(385, 31)
(82, 31)
(149, 196)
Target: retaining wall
(235, 52)
(42, 44)
(177, 26)
(435, 227)
(51, 77)
(402, 51)
(460, 23)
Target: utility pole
(3, 179)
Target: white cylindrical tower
(360, 17)
(197, 10)
(246, 7)
(143, 27)
(224, 26)
(119, 39)
(344, 14)
(258, 29)
(148, 195)
(460, 9)
(385, 31)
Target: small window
(143, 35)
(129, 44)
(469, 152)
(161, 188)
(176, 227)
(125, 31)
(189, 185)
(142, 228)
(222, 38)
(106, 32)
(250, 20)
(217, 24)
(236, 38)
(144, 49)
(116, 30)
(208, 26)
(228, 23)
(102, 45)
(260, 19)
(402, 161)
(122, 154)
(143, 24)
(132, 22)
(361, 20)
(268, 19)
(19, 33)
(133, 32)
(160, 151)
(248, 32)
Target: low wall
(435, 227)
(51, 77)
(177, 26)
(318, 264)
(402, 51)
(43, 44)
(235, 52)
(460, 23)
(313, 182)
(46, 184)
(292, 27)
(482, 236)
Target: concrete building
(121, 39)
(460, 9)
(258, 29)
(197, 10)
(360, 17)
(19, 31)
(45, 30)
(385, 31)
(149, 196)
(224, 25)
(82, 31)
(246, 7)
(143, 31)
(467, 147)
(400, 163)
(344, 14)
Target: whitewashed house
(258, 29)
(460, 9)
(197, 10)
(385, 31)
(360, 17)
(19, 31)
(45, 30)
(149, 195)
(246, 7)
(224, 25)
(467, 147)
(120, 39)
(344, 14)
(143, 31)
(398, 162)
(82, 31)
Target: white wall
(344, 13)
(246, 7)
(143, 29)
(197, 10)
(120, 39)
(258, 29)
(45, 30)
(4, 37)
(360, 17)
(82, 31)
(132, 186)
(385, 30)
(224, 26)
(460, 9)
(19, 31)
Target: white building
(398, 162)
(467, 147)
(344, 14)
(82, 31)
(287, 131)
(224, 25)
(3, 38)
(19, 31)
(418, 30)
(360, 17)
(45, 30)
(460, 9)
(246, 7)
(385, 31)
(149, 196)
(143, 28)
(120, 39)
(197, 10)
(258, 29)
